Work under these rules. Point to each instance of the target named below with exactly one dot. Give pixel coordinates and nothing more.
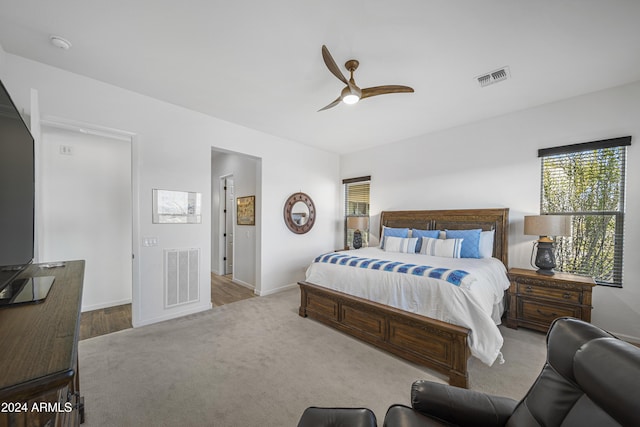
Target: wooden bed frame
(432, 343)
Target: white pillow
(486, 244)
(392, 232)
(449, 248)
(400, 244)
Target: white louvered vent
(181, 276)
(493, 77)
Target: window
(356, 209)
(587, 181)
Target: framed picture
(176, 207)
(246, 210)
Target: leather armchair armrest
(460, 406)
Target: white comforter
(478, 305)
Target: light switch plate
(150, 241)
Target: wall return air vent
(495, 76)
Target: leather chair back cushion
(565, 338)
(548, 400)
(606, 369)
(604, 393)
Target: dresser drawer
(547, 292)
(542, 312)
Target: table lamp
(546, 227)
(357, 223)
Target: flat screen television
(17, 194)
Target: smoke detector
(493, 77)
(60, 42)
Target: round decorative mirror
(299, 213)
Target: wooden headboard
(456, 219)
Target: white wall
(244, 170)
(86, 206)
(172, 150)
(293, 168)
(493, 163)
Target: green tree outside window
(587, 182)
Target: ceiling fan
(352, 93)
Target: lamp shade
(547, 225)
(358, 222)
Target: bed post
(458, 375)
(302, 311)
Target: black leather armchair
(590, 378)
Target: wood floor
(113, 319)
(224, 291)
(105, 321)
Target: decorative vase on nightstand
(357, 239)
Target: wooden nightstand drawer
(546, 292)
(535, 300)
(544, 313)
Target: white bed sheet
(478, 305)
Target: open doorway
(234, 246)
(85, 210)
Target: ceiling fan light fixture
(350, 96)
(350, 99)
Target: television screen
(17, 190)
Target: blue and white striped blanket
(454, 277)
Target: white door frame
(222, 241)
(121, 135)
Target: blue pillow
(392, 232)
(470, 244)
(433, 234)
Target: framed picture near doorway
(246, 210)
(176, 207)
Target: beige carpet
(257, 363)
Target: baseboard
(276, 290)
(244, 284)
(105, 305)
(628, 338)
(174, 315)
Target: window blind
(356, 204)
(587, 181)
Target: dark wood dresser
(39, 384)
(535, 300)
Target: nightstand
(535, 300)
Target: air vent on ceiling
(493, 77)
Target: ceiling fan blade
(382, 90)
(332, 66)
(333, 104)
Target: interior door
(229, 210)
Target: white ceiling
(258, 63)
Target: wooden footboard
(432, 343)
